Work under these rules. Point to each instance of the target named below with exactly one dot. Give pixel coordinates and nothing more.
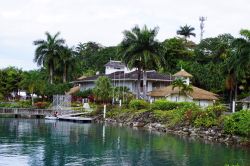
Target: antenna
(202, 20)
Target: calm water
(41, 142)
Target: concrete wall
(177, 98)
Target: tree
(182, 86)
(139, 49)
(239, 62)
(67, 61)
(215, 49)
(103, 88)
(30, 82)
(186, 31)
(47, 53)
(9, 81)
(179, 83)
(176, 51)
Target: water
(44, 142)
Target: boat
(51, 117)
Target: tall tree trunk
(138, 82)
(144, 84)
(32, 99)
(236, 91)
(51, 74)
(64, 74)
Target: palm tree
(186, 31)
(47, 52)
(67, 61)
(180, 84)
(187, 89)
(239, 62)
(140, 49)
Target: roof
(197, 93)
(115, 64)
(120, 75)
(245, 100)
(82, 77)
(73, 90)
(182, 73)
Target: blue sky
(23, 21)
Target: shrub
(138, 104)
(164, 105)
(217, 109)
(24, 104)
(169, 105)
(205, 119)
(238, 123)
(41, 105)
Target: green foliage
(19, 104)
(138, 104)
(56, 89)
(84, 94)
(103, 88)
(169, 105)
(238, 123)
(47, 53)
(210, 116)
(164, 105)
(9, 81)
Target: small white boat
(51, 117)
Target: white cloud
(24, 21)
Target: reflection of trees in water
(58, 143)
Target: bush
(238, 123)
(41, 105)
(85, 93)
(138, 104)
(169, 105)
(24, 104)
(217, 109)
(164, 105)
(210, 116)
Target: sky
(103, 21)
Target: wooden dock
(75, 119)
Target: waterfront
(45, 142)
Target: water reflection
(41, 142)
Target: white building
(122, 76)
(201, 97)
(115, 66)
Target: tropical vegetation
(219, 64)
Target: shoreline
(212, 134)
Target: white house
(121, 76)
(200, 96)
(115, 66)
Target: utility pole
(202, 20)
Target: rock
(185, 129)
(193, 133)
(138, 124)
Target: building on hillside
(121, 76)
(115, 66)
(200, 96)
(245, 103)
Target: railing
(32, 111)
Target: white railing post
(104, 111)
(233, 107)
